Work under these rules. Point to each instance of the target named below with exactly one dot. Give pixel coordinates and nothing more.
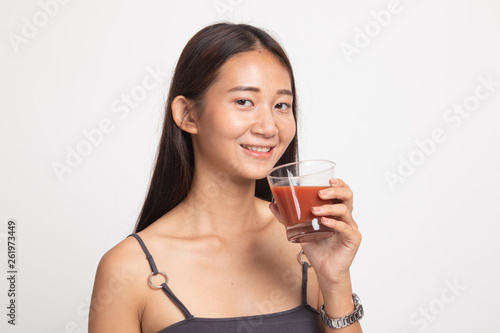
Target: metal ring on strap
(302, 260)
(151, 281)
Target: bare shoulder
(117, 297)
(121, 261)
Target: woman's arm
(115, 302)
(338, 303)
(332, 257)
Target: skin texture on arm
(115, 305)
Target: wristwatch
(346, 320)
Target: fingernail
(316, 209)
(323, 192)
(334, 182)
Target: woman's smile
(258, 149)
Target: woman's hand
(332, 257)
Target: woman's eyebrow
(244, 88)
(255, 89)
(285, 92)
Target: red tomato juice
(295, 202)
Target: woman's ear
(183, 114)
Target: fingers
(339, 211)
(352, 235)
(338, 190)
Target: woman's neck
(217, 204)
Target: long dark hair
(197, 68)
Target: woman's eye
(244, 102)
(282, 106)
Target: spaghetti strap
(305, 267)
(164, 285)
(148, 255)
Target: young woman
(209, 253)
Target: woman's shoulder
(118, 287)
(122, 253)
(120, 263)
(125, 265)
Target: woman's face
(247, 121)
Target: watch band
(346, 320)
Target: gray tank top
(301, 319)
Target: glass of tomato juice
(295, 188)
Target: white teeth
(258, 149)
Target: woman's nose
(265, 123)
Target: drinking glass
(295, 188)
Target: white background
(435, 226)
